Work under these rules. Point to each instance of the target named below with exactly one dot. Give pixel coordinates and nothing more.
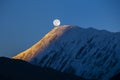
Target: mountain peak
(89, 53)
(46, 40)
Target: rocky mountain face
(89, 53)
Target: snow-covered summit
(55, 33)
(89, 53)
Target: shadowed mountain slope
(90, 53)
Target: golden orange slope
(42, 44)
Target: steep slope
(89, 53)
(42, 44)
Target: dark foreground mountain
(90, 53)
(11, 69)
(116, 77)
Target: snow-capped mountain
(89, 53)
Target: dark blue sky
(24, 22)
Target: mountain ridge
(89, 53)
(39, 43)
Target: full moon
(56, 22)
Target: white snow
(89, 53)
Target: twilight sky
(24, 22)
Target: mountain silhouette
(13, 69)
